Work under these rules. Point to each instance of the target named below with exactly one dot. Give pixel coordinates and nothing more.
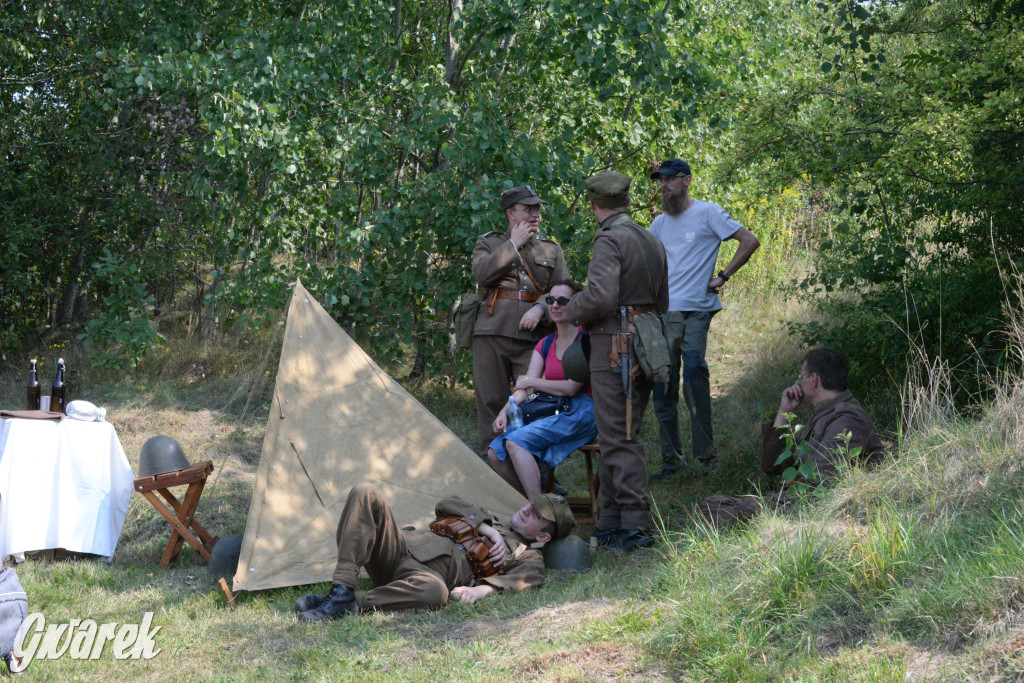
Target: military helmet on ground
(568, 554)
(160, 455)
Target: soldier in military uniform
(413, 569)
(838, 428)
(513, 269)
(628, 268)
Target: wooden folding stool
(184, 527)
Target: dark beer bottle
(57, 389)
(32, 402)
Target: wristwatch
(722, 275)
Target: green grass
(912, 571)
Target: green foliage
(127, 330)
(359, 146)
(912, 130)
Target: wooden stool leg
(180, 531)
(593, 484)
(203, 534)
(186, 515)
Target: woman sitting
(516, 456)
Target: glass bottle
(32, 401)
(57, 390)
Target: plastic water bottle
(515, 416)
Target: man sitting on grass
(411, 569)
(839, 425)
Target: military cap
(524, 194)
(555, 508)
(609, 189)
(672, 167)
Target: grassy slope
(914, 570)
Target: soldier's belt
(634, 310)
(519, 294)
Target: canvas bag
(463, 317)
(650, 341)
(651, 345)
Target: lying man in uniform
(468, 554)
(838, 426)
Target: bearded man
(692, 232)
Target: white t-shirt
(691, 242)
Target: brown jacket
(497, 263)
(822, 434)
(525, 565)
(619, 275)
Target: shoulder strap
(529, 273)
(546, 346)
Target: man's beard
(674, 204)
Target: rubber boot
(339, 602)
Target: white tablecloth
(62, 485)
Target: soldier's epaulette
(491, 233)
(545, 239)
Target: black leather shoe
(606, 536)
(308, 602)
(629, 540)
(559, 490)
(339, 602)
(664, 474)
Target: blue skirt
(553, 438)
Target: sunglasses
(561, 300)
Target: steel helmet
(568, 554)
(160, 455)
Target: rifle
(626, 366)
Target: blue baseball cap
(671, 167)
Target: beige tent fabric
(337, 420)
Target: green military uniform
(823, 435)
(501, 351)
(418, 569)
(628, 268)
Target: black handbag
(542, 404)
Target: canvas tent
(337, 419)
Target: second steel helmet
(576, 360)
(568, 554)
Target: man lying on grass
(839, 429)
(468, 554)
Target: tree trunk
(66, 312)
